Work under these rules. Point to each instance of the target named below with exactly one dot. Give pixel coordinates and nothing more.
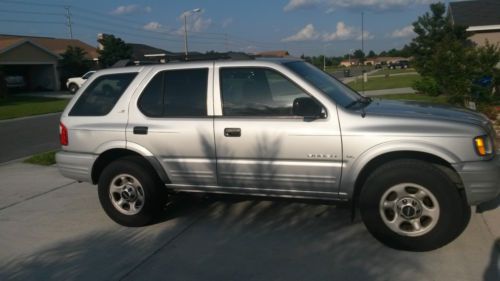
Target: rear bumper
(481, 179)
(76, 166)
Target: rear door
(170, 116)
(261, 145)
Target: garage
(28, 66)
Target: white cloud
(227, 22)
(332, 5)
(305, 34)
(367, 36)
(200, 24)
(129, 9)
(152, 26)
(404, 32)
(300, 4)
(345, 32)
(194, 22)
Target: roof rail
(210, 56)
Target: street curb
(29, 117)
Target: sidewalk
(396, 91)
(54, 94)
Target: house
(277, 54)
(481, 17)
(349, 62)
(36, 58)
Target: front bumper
(76, 166)
(481, 179)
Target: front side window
(257, 92)
(101, 96)
(176, 93)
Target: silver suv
(277, 128)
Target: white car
(74, 83)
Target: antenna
(69, 24)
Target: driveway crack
(36, 195)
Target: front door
(262, 146)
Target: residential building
(36, 58)
(481, 17)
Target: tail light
(63, 134)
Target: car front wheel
(413, 205)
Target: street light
(188, 13)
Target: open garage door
(26, 61)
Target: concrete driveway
(52, 228)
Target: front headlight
(483, 145)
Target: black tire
(153, 191)
(454, 213)
(73, 88)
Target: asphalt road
(339, 74)
(24, 137)
(52, 228)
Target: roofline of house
(484, 27)
(27, 41)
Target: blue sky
(308, 27)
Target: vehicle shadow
(222, 238)
(489, 205)
(492, 273)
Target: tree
(114, 49)
(74, 61)
(371, 54)
(447, 61)
(359, 54)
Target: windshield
(335, 89)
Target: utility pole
(226, 43)
(188, 13)
(324, 57)
(69, 24)
(185, 36)
(363, 51)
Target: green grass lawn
(18, 106)
(415, 97)
(381, 83)
(44, 159)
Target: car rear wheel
(130, 194)
(73, 88)
(413, 205)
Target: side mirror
(307, 107)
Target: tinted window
(101, 96)
(257, 92)
(176, 93)
(151, 100)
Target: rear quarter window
(101, 96)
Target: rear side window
(101, 96)
(176, 93)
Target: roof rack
(210, 56)
(191, 57)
